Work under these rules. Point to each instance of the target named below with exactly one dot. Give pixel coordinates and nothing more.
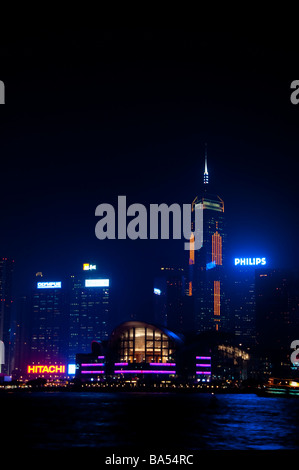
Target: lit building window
(145, 344)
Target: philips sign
(49, 285)
(250, 261)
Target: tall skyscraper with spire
(206, 264)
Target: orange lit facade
(217, 249)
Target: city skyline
(134, 121)
(144, 347)
(152, 138)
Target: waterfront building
(277, 318)
(143, 353)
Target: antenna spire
(206, 173)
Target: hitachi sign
(250, 261)
(45, 369)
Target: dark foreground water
(61, 420)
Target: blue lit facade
(241, 294)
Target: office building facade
(240, 288)
(89, 310)
(277, 318)
(67, 316)
(49, 322)
(6, 303)
(171, 305)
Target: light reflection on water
(150, 420)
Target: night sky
(91, 114)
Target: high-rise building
(89, 310)
(67, 316)
(206, 282)
(241, 294)
(6, 300)
(171, 305)
(22, 335)
(49, 322)
(277, 317)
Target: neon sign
(45, 369)
(210, 265)
(250, 261)
(134, 371)
(71, 369)
(89, 267)
(96, 282)
(49, 285)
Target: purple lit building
(145, 353)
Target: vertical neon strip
(217, 248)
(217, 298)
(191, 255)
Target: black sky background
(91, 114)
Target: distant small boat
(213, 401)
(280, 387)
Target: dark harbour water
(92, 420)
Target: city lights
(89, 267)
(96, 282)
(157, 291)
(145, 371)
(149, 264)
(71, 369)
(49, 285)
(44, 369)
(92, 371)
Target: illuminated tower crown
(206, 173)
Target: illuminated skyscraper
(89, 311)
(241, 293)
(49, 322)
(206, 284)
